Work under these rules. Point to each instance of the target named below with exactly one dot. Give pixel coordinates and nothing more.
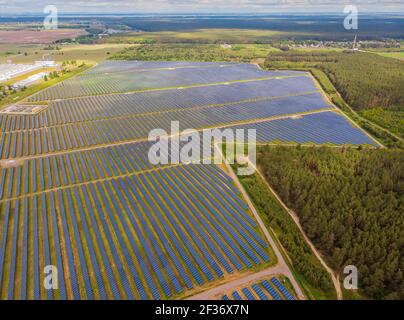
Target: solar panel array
(263, 290)
(145, 236)
(123, 105)
(116, 82)
(319, 128)
(85, 134)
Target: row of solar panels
(146, 236)
(54, 171)
(84, 85)
(265, 290)
(118, 105)
(318, 128)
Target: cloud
(170, 6)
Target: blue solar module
(218, 198)
(321, 128)
(24, 262)
(275, 295)
(41, 175)
(248, 294)
(180, 214)
(2, 181)
(259, 292)
(132, 66)
(282, 289)
(255, 95)
(26, 179)
(236, 296)
(171, 214)
(13, 257)
(10, 184)
(220, 230)
(36, 248)
(142, 236)
(6, 210)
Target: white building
(29, 80)
(46, 63)
(10, 70)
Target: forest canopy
(351, 205)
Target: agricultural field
(78, 191)
(396, 55)
(38, 37)
(91, 54)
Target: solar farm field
(149, 78)
(146, 236)
(102, 119)
(78, 191)
(319, 128)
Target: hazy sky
(197, 6)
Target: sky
(197, 6)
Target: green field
(396, 55)
(236, 36)
(392, 119)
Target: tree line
(351, 205)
